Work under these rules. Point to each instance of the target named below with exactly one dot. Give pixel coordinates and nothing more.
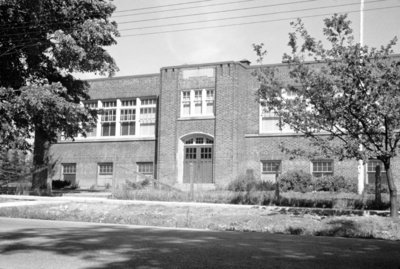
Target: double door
(199, 159)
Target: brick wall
(124, 156)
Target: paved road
(57, 244)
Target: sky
(262, 21)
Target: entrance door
(200, 158)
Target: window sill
(210, 117)
(272, 134)
(107, 139)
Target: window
(145, 168)
(322, 168)
(134, 117)
(128, 121)
(105, 168)
(108, 122)
(92, 105)
(197, 103)
(147, 121)
(210, 102)
(371, 170)
(269, 122)
(271, 166)
(69, 172)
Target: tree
(42, 42)
(348, 96)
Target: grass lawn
(231, 218)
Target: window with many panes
(147, 120)
(145, 168)
(91, 105)
(197, 103)
(128, 117)
(108, 118)
(271, 166)
(322, 168)
(134, 117)
(105, 168)
(69, 172)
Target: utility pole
(361, 164)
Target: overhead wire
(213, 20)
(256, 22)
(242, 17)
(216, 12)
(169, 5)
(185, 8)
(226, 25)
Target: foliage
(248, 183)
(59, 184)
(298, 181)
(138, 185)
(44, 43)
(335, 184)
(349, 96)
(14, 166)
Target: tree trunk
(40, 160)
(392, 189)
(378, 184)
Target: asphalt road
(57, 244)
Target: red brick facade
(233, 128)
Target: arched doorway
(198, 156)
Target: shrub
(138, 185)
(250, 183)
(370, 189)
(298, 181)
(59, 184)
(243, 183)
(335, 184)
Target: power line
(185, 8)
(242, 23)
(170, 5)
(216, 12)
(256, 22)
(222, 19)
(241, 17)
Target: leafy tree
(42, 42)
(348, 96)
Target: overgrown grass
(227, 218)
(252, 197)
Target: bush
(370, 189)
(138, 185)
(59, 184)
(298, 181)
(250, 183)
(335, 184)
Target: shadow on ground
(117, 246)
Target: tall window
(322, 168)
(128, 117)
(269, 121)
(108, 118)
(134, 117)
(148, 117)
(92, 105)
(197, 103)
